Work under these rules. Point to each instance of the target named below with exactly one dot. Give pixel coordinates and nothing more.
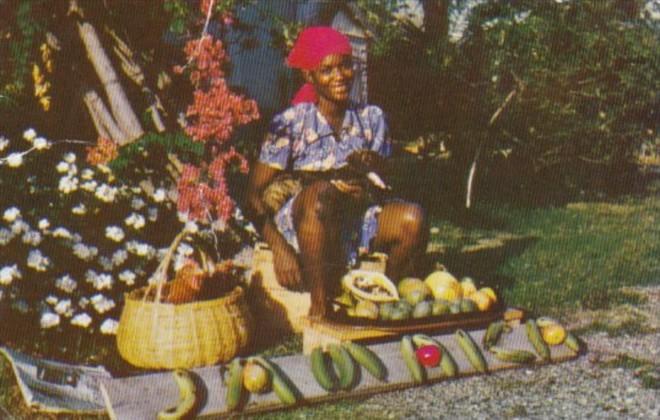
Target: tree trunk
(119, 104)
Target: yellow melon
(444, 286)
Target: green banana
(344, 363)
(447, 362)
(493, 334)
(471, 350)
(235, 385)
(410, 358)
(536, 339)
(187, 397)
(509, 355)
(367, 359)
(572, 342)
(320, 370)
(282, 386)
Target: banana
(572, 342)
(509, 355)
(535, 338)
(367, 359)
(235, 385)
(472, 351)
(344, 363)
(493, 334)
(187, 397)
(320, 370)
(447, 362)
(545, 321)
(282, 386)
(410, 358)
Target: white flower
(32, 237)
(69, 157)
(119, 257)
(81, 320)
(37, 261)
(11, 214)
(114, 233)
(61, 232)
(102, 304)
(41, 143)
(52, 300)
(83, 302)
(128, 277)
(63, 306)
(66, 283)
(103, 281)
(6, 236)
(43, 224)
(4, 143)
(109, 327)
(73, 169)
(19, 227)
(84, 252)
(153, 214)
(8, 274)
(87, 174)
(106, 263)
(29, 134)
(135, 220)
(185, 249)
(140, 249)
(14, 160)
(106, 193)
(89, 186)
(68, 184)
(80, 209)
(49, 320)
(137, 203)
(62, 167)
(192, 227)
(183, 217)
(159, 195)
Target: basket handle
(160, 274)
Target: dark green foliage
(149, 153)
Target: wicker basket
(156, 335)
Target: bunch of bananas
(343, 357)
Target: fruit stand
(144, 396)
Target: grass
(547, 260)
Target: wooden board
(144, 396)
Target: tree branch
(103, 121)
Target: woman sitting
(315, 233)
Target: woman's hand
(287, 267)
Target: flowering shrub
(81, 226)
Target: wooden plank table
(144, 396)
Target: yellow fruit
(256, 378)
(553, 334)
(409, 285)
(483, 301)
(490, 292)
(444, 286)
(367, 309)
(468, 287)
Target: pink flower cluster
(215, 110)
(214, 114)
(203, 190)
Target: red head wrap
(311, 47)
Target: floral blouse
(300, 138)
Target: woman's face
(333, 78)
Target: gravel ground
(591, 386)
